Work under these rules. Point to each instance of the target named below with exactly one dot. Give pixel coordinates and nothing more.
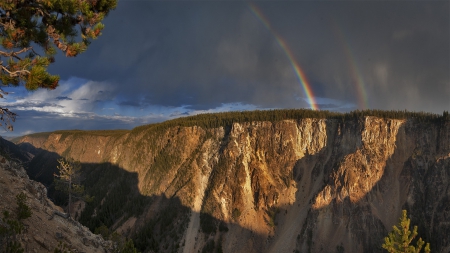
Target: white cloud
(70, 99)
(27, 132)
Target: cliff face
(44, 230)
(313, 185)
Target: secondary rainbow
(356, 74)
(298, 71)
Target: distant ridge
(223, 119)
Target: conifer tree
(128, 247)
(31, 32)
(68, 180)
(400, 239)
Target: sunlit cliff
(306, 184)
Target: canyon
(308, 184)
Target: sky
(159, 60)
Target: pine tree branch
(15, 73)
(16, 54)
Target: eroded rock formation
(308, 185)
(44, 230)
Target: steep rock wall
(308, 185)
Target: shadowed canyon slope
(43, 230)
(291, 185)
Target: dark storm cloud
(329, 106)
(401, 49)
(130, 103)
(204, 54)
(199, 54)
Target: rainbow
(363, 102)
(298, 71)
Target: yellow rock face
(307, 185)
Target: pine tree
(31, 31)
(68, 180)
(128, 247)
(23, 210)
(400, 238)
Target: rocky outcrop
(43, 230)
(307, 185)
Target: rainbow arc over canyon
(357, 77)
(298, 71)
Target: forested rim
(226, 119)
